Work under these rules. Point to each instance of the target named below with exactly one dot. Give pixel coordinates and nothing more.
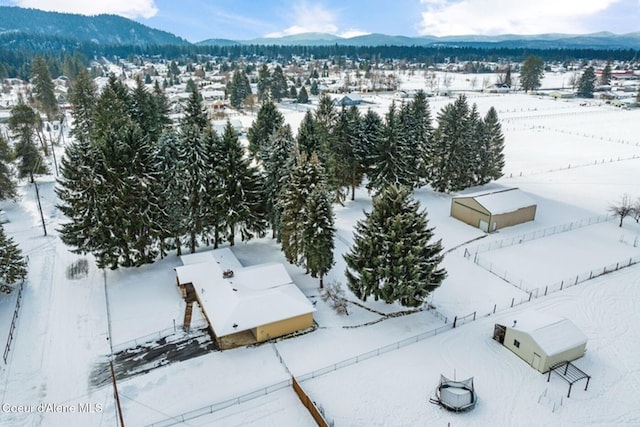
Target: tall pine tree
(277, 161)
(194, 156)
(267, 121)
(13, 266)
(318, 232)
(23, 123)
(7, 185)
(393, 258)
(82, 96)
(390, 156)
(305, 176)
(242, 189)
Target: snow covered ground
(63, 327)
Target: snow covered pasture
(63, 325)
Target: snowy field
(63, 330)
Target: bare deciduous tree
(334, 295)
(623, 208)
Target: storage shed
(494, 210)
(542, 340)
(243, 304)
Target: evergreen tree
(172, 190)
(389, 157)
(212, 200)
(318, 232)
(421, 134)
(13, 266)
(43, 88)
(133, 213)
(370, 133)
(605, 77)
(326, 113)
(345, 166)
(278, 84)
(264, 83)
(303, 96)
(82, 96)
(23, 123)
(267, 121)
(305, 176)
(310, 136)
(452, 152)
(478, 153)
(238, 89)
(587, 83)
(242, 190)
(494, 144)
(531, 73)
(314, 90)
(80, 189)
(277, 162)
(293, 92)
(193, 155)
(7, 185)
(392, 257)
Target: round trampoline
(455, 395)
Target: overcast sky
(197, 20)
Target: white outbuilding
(541, 339)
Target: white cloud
(127, 8)
(463, 17)
(307, 18)
(353, 32)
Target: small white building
(542, 339)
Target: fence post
(530, 293)
(455, 319)
(474, 315)
(546, 288)
(494, 308)
(512, 300)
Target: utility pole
(115, 391)
(35, 184)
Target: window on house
(516, 343)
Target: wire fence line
(574, 166)
(218, 406)
(14, 320)
(535, 290)
(172, 331)
(535, 235)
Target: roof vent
(227, 274)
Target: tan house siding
(513, 218)
(282, 327)
(469, 211)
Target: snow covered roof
(499, 202)
(253, 296)
(553, 334)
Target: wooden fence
(315, 412)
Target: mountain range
(602, 40)
(116, 30)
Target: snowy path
(62, 324)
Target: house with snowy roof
(491, 211)
(242, 305)
(542, 339)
